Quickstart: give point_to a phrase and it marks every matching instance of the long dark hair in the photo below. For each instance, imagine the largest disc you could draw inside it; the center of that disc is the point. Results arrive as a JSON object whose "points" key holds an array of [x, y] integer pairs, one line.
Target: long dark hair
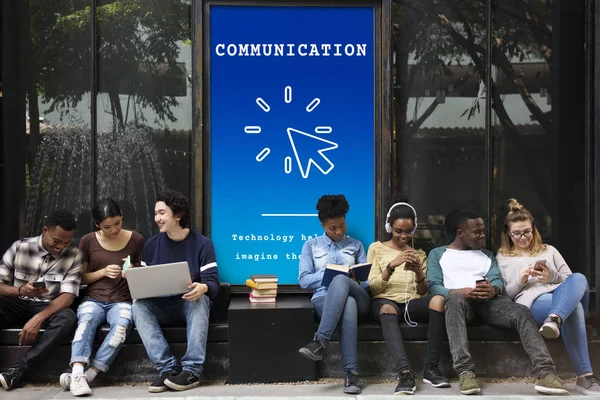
{"points": [[105, 208]]}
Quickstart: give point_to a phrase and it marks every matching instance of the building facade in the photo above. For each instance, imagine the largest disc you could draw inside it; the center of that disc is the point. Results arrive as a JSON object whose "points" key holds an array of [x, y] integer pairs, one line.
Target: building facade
{"points": [[479, 102]]}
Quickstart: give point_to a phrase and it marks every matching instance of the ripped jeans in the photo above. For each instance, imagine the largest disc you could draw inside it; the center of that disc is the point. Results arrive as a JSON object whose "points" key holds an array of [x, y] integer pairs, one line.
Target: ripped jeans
{"points": [[90, 315]]}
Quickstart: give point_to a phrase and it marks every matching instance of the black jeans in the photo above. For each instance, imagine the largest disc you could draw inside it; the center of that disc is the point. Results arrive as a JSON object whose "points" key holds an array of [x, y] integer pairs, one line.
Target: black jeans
{"points": [[419, 312], [499, 312], [58, 328]]}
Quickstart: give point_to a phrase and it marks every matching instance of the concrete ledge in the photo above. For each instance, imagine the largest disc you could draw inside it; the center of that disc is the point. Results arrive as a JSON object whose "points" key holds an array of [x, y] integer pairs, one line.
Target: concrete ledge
{"points": [[493, 359], [329, 390], [132, 364]]}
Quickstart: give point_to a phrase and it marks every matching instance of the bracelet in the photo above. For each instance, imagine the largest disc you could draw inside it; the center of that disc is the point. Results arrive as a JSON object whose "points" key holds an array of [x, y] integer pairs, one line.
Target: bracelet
{"points": [[389, 270], [19, 290], [421, 281]]}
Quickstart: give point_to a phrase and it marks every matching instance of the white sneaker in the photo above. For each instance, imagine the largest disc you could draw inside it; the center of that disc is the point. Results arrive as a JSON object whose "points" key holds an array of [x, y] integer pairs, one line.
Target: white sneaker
{"points": [[79, 385], [551, 328], [65, 380]]}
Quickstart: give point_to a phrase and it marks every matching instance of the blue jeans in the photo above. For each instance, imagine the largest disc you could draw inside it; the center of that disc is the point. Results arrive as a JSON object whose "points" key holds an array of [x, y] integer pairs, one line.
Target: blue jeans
{"points": [[570, 301], [343, 306], [150, 314], [90, 315]]}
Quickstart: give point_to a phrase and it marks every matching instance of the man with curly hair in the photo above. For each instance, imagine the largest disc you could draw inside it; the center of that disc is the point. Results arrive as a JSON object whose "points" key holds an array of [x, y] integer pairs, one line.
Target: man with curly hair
{"points": [[174, 243]]}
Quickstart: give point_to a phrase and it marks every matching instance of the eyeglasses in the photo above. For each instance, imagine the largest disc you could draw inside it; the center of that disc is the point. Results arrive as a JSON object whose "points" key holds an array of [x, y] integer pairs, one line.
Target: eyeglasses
{"points": [[519, 235], [406, 232]]}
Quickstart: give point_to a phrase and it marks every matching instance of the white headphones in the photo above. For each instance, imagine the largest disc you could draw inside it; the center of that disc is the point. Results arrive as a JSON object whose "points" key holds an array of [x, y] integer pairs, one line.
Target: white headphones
{"points": [[388, 226]]}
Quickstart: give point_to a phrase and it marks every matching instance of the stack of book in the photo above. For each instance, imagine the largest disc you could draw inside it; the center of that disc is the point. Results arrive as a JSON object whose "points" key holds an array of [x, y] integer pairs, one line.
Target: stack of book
{"points": [[264, 288]]}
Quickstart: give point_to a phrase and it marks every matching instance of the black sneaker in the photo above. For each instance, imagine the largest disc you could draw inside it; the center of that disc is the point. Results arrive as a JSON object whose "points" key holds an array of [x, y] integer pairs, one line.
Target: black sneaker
{"points": [[182, 381], [433, 376], [406, 384], [11, 377], [314, 350], [158, 386], [351, 383]]}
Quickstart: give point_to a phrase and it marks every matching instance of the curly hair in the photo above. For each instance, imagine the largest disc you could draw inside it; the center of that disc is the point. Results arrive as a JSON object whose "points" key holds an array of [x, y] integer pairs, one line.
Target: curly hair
{"points": [[63, 218], [178, 203], [332, 206], [518, 213]]}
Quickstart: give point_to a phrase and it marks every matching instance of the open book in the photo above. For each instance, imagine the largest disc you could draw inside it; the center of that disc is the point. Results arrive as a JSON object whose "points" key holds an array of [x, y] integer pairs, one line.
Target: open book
{"points": [[361, 272]]}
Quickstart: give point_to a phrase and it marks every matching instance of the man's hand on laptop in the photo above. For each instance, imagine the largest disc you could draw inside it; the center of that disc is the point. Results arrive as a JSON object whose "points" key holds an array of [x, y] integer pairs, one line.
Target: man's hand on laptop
{"points": [[198, 290]]}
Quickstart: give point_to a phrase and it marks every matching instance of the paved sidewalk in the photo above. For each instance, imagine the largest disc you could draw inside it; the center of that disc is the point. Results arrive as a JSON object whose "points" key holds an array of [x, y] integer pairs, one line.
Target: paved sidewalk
{"points": [[312, 391]]}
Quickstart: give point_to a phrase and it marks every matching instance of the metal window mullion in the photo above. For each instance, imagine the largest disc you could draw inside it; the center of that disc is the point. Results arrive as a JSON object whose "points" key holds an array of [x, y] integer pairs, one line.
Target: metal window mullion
{"points": [[93, 103]]}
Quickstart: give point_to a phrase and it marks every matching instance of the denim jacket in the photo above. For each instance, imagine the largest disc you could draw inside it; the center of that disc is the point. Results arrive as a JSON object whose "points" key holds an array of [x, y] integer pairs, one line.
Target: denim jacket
{"points": [[320, 251]]}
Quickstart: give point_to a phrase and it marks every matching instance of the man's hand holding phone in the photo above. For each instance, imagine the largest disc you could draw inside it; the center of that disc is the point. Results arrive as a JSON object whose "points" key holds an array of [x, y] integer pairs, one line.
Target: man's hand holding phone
{"points": [[483, 290], [33, 289], [39, 284]]}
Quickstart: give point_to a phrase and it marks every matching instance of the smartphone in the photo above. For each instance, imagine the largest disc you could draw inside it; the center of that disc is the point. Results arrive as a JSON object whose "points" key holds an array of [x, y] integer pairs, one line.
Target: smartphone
{"points": [[480, 280], [39, 284], [539, 265]]}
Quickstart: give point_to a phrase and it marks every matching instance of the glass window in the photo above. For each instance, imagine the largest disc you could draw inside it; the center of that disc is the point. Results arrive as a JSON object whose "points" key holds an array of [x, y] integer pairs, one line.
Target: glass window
{"points": [[539, 120], [439, 111], [57, 163], [144, 104]]}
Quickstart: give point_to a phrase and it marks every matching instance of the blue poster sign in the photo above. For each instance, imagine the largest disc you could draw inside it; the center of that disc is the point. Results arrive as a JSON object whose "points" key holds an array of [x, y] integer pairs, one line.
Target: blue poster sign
{"points": [[292, 93]]}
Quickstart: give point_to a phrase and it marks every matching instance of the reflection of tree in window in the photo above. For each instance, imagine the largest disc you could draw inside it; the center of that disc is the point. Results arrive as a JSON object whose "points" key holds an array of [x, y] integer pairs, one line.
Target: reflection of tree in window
{"points": [[440, 50], [138, 44]]}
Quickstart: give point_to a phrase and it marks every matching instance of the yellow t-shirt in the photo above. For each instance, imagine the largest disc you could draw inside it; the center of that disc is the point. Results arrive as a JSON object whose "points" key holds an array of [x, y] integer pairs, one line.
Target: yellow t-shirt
{"points": [[395, 288]]}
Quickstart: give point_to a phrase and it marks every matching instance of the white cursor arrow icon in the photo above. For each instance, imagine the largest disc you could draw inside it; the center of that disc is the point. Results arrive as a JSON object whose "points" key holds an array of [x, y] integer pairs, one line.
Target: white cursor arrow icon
{"points": [[312, 156]]}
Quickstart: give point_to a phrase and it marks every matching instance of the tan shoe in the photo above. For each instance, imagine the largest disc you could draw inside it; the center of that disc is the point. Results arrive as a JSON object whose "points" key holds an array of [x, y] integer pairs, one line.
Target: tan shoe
{"points": [[468, 383], [550, 384]]}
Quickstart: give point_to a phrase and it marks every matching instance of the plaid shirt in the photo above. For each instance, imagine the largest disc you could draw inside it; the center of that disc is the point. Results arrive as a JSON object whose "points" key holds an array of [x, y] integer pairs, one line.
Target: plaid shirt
{"points": [[27, 260]]}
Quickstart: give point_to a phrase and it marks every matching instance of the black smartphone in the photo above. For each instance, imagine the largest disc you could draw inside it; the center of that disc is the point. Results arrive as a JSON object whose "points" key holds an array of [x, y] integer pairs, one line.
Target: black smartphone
{"points": [[482, 280], [39, 284]]}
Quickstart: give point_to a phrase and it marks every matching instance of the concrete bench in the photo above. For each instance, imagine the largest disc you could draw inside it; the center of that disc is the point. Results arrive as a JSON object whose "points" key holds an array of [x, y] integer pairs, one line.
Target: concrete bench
{"points": [[132, 364], [497, 353], [217, 331]]}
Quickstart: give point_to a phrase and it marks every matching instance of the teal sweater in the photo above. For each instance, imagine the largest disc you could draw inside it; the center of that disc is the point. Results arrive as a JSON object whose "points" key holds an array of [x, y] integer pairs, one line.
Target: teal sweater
{"points": [[435, 275]]}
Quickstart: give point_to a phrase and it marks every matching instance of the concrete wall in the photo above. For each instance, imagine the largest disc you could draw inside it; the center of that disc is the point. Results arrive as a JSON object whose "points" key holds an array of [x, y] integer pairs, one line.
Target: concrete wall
{"points": [[492, 360]]}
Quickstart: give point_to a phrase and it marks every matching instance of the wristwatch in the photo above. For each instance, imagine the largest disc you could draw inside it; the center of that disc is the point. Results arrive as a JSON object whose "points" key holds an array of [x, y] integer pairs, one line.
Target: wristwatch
{"points": [[389, 269]]}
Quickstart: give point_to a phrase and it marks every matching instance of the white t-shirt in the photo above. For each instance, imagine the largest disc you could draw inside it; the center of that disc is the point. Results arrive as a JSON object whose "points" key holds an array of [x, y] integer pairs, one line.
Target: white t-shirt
{"points": [[461, 268]]}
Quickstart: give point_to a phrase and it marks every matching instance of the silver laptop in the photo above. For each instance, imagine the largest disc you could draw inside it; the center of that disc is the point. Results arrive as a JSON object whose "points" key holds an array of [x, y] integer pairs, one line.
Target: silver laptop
{"points": [[159, 280]]}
